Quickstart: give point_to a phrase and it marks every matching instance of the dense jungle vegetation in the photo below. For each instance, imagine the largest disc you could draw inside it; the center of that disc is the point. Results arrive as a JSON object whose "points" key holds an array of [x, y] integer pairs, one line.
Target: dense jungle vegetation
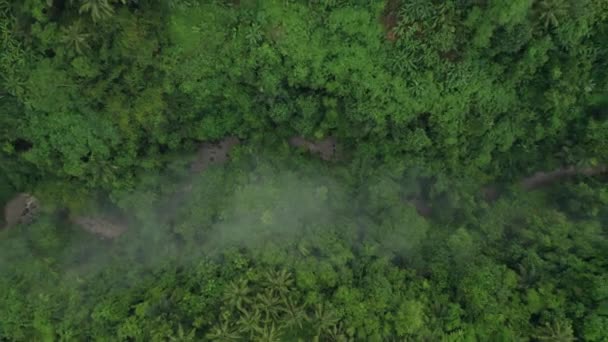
{"points": [[433, 104]]}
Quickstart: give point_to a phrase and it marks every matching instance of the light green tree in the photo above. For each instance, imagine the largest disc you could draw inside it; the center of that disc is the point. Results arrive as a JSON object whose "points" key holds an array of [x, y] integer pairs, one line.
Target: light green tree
{"points": [[237, 293], [279, 282], [249, 321], [75, 38], [557, 331], [550, 12], [98, 9], [223, 332]]}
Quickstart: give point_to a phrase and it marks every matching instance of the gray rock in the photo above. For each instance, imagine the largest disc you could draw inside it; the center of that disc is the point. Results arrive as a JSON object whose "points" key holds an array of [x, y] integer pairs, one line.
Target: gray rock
{"points": [[21, 209]]}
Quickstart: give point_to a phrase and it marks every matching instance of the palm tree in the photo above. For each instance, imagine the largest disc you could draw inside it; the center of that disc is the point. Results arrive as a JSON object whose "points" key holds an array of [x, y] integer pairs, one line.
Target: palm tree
{"points": [[99, 9], [269, 305], [5, 31], [74, 37], [337, 334], [13, 84], [223, 332], [181, 336], [417, 9], [303, 249], [550, 10], [295, 314], [249, 322], [325, 319], [254, 34], [236, 294], [5, 7], [558, 331], [279, 282], [527, 275], [270, 333]]}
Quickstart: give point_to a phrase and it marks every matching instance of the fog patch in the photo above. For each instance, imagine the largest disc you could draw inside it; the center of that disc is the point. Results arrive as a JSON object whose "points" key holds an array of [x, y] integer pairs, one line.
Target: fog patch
{"points": [[102, 226], [275, 209]]}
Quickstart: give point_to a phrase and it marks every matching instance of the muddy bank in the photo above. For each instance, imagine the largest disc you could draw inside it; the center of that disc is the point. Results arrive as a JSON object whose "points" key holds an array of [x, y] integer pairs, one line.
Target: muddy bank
{"points": [[211, 153], [112, 226], [24, 208], [326, 148], [536, 181], [542, 179], [390, 19]]}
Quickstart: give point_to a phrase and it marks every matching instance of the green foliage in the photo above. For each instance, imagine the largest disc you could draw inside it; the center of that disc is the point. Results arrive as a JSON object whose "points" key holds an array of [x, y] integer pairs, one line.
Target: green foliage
{"points": [[98, 9], [103, 102]]}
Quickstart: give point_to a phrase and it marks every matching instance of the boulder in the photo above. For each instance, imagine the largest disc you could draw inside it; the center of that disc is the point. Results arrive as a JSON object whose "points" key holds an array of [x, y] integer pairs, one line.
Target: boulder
{"points": [[21, 209]]}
